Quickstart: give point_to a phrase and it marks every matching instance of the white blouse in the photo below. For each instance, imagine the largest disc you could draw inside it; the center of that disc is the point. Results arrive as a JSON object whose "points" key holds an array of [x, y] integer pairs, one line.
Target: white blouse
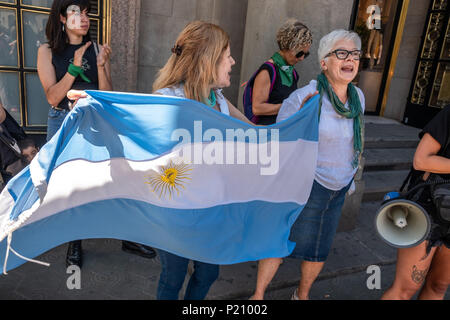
{"points": [[334, 165], [178, 91]]}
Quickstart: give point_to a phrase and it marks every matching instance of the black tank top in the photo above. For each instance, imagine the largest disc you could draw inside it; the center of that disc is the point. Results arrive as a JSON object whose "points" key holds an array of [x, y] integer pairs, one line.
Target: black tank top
{"points": [[62, 61], [278, 94]]}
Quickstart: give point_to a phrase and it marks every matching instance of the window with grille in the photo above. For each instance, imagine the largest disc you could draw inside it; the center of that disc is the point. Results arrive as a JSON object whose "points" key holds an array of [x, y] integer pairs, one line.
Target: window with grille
{"points": [[430, 90], [22, 31]]}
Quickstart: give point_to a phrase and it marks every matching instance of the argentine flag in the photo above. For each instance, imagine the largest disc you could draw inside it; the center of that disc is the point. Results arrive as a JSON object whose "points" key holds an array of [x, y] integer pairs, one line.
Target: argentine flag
{"points": [[166, 172]]}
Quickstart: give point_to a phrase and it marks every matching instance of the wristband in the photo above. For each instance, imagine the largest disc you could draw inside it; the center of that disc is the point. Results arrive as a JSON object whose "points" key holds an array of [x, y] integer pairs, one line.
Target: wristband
{"points": [[76, 71]]}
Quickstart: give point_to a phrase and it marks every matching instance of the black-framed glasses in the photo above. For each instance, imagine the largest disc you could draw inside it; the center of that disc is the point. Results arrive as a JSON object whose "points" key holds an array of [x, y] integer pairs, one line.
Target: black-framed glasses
{"points": [[342, 54], [302, 54]]}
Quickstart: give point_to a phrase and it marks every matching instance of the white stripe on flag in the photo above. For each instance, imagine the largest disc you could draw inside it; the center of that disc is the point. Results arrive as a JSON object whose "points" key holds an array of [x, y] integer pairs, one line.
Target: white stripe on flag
{"points": [[79, 182]]}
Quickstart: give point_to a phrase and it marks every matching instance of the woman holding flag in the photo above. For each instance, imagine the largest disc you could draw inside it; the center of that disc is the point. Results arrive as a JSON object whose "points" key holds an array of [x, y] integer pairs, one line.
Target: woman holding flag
{"points": [[70, 60], [198, 68], [341, 133], [208, 45]]}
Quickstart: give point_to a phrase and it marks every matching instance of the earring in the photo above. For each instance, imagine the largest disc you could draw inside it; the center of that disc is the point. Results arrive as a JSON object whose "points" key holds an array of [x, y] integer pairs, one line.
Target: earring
{"points": [[63, 29]]}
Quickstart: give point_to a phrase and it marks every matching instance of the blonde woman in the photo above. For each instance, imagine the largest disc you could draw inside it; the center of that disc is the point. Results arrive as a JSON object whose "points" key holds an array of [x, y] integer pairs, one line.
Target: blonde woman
{"points": [[200, 65]]}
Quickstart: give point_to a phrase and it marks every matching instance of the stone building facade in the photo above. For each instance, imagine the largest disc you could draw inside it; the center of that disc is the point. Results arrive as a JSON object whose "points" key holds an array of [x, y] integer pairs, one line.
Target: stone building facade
{"points": [[409, 80], [143, 31]]}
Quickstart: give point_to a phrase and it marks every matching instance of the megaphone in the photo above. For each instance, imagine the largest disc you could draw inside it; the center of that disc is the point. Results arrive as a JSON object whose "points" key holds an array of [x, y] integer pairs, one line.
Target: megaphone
{"points": [[402, 223]]}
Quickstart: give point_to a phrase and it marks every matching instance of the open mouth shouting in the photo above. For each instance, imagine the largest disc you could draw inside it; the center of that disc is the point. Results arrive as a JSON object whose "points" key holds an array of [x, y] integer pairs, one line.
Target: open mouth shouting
{"points": [[348, 69]]}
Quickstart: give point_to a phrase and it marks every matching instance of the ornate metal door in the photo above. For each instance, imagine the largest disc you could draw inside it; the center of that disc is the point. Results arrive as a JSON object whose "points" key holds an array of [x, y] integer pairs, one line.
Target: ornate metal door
{"points": [[430, 90]]}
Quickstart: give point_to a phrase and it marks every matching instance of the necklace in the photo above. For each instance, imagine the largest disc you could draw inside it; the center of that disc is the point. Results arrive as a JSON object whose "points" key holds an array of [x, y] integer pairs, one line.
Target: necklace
{"points": [[211, 100]]}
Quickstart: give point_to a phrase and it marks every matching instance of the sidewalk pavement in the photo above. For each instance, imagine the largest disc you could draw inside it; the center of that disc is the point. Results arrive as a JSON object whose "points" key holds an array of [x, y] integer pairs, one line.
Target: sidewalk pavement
{"points": [[109, 273]]}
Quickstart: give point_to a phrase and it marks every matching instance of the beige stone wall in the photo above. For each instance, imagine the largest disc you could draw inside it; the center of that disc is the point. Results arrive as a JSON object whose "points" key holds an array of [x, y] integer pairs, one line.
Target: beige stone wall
{"points": [[406, 61], [264, 17], [162, 20], [143, 31], [125, 44]]}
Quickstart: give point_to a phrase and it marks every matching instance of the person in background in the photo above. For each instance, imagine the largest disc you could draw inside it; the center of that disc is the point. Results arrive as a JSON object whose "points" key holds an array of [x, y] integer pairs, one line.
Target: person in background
{"points": [[10, 156], [2, 118], [70, 60], [29, 150], [427, 265], [294, 41], [341, 132], [207, 45]]}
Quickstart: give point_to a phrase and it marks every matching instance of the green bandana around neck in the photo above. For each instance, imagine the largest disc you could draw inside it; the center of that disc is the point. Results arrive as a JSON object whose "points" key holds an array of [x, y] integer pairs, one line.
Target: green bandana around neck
{"points": [[354, 112], [211, 100], [286, 71]]}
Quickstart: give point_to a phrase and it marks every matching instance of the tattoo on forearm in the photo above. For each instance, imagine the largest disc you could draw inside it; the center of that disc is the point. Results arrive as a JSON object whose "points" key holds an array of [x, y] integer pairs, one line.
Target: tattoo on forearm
{"points": [[424, 257], [418, 276]]}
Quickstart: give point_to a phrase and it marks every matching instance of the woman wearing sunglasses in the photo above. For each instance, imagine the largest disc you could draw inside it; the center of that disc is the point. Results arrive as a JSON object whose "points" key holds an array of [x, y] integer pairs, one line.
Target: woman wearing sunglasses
{"points": [[294, 40], [341, 133]]}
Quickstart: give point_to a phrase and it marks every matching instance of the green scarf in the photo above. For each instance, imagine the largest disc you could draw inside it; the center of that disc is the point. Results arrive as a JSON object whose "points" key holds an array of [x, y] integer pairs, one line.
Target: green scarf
{"points": [[77, 71], [286, 71], [211, 100], [354, 113]]}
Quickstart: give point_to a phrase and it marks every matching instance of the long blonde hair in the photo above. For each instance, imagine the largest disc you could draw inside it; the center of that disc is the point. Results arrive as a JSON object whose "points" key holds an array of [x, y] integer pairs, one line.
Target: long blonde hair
{"points": [[194, 60]]}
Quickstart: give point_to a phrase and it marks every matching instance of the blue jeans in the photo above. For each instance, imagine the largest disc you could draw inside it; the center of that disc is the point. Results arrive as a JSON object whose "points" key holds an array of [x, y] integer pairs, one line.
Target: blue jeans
{"points": [[55, 120], [173, 273], [315, 228]]}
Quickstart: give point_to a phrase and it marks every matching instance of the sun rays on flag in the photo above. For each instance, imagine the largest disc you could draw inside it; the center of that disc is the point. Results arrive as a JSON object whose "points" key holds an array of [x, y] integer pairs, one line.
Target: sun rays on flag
{"points": [[171, 178]]}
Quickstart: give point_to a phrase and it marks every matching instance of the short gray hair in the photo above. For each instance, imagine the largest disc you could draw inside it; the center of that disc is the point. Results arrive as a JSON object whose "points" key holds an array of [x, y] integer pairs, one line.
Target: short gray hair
{"points": [[293, 35], [328, 41]]}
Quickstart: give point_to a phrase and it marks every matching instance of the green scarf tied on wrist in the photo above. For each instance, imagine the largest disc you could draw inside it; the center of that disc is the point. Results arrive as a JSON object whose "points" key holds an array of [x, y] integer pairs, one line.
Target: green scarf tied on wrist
{"points": [[286, 71], [78, 71], [354, 112]]}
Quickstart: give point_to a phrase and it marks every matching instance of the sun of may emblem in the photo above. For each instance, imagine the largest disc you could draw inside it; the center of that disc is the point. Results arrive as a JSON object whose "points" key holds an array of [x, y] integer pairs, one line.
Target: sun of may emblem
{"points": [[169, 179]]}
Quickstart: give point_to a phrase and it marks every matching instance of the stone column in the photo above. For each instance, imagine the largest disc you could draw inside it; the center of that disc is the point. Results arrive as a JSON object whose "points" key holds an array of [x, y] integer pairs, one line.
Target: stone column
{"points": [[163, 20], [406, 61], [125, 44]]}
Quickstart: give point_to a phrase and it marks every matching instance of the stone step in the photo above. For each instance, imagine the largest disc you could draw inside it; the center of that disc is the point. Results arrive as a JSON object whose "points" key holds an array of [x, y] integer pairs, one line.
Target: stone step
{"points": [[389, 144], [388, 159], [390, 135], [378, 183]]}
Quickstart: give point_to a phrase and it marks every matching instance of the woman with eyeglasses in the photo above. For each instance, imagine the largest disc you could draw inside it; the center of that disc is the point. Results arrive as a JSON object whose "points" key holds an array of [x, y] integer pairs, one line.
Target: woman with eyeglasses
{"points": [[294, 40], [341, 133]]}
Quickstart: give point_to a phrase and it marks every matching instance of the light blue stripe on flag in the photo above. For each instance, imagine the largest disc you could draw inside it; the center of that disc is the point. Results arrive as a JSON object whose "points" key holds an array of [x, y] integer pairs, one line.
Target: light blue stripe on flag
{"points": [[132, 131]]}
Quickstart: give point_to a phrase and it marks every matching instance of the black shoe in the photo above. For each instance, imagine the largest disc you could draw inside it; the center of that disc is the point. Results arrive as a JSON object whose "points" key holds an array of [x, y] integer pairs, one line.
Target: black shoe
{"points": [[74, 254], [139, 249]]}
